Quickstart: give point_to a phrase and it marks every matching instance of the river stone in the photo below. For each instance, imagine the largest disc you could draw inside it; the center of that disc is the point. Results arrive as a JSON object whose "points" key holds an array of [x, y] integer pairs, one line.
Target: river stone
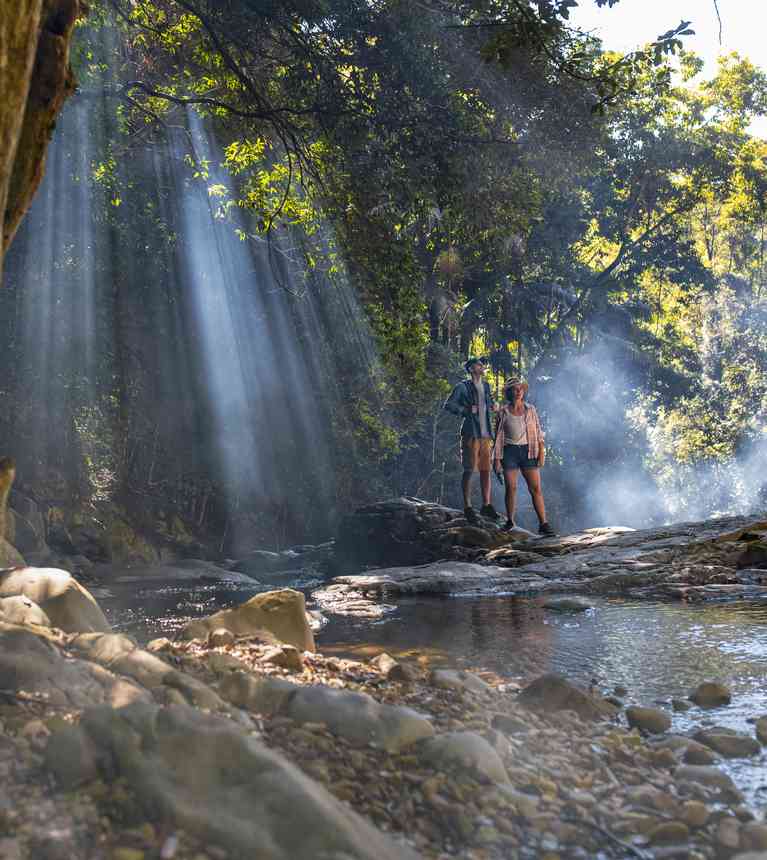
{"points": [[729, 745], [220, 638], [670, 833], [393, 670], [68, 605], [203, 774], [72, 757], [680, 705], [358, 718], [459, 680], [285, 656], [264, 695], [22, 610], [464, 750], [552, 692], [695, 813], [651, 720], [711, 694], [761, 729], [697, 753], [282, 613], [704, 775], [567, 604], [753, 835], [728, 832]]}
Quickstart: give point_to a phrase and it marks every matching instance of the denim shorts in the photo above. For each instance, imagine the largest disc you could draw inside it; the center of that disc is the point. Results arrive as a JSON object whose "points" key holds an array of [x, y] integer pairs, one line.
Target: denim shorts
{"points": [[515, 457]]}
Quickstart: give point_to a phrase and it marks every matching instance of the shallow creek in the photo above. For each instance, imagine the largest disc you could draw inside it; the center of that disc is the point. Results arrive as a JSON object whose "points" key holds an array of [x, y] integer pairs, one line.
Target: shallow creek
{"points": [[657, 651]]}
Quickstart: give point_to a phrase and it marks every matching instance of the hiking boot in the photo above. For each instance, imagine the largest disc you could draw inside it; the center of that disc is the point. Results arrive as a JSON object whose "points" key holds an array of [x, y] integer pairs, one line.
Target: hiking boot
{"points": [[471, 515], [546, 530], [490, 512], [508, 526]]}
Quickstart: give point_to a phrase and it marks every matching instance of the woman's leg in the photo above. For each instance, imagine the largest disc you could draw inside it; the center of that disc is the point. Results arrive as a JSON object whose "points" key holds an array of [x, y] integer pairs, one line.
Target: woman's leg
{"points": [[533, 479], [510, 476]]}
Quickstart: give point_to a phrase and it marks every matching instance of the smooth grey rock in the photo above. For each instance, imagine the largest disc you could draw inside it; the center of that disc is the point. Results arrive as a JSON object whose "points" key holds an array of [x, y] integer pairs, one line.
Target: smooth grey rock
{"points": [[459, 680], [711, 694], [651, 720], [208, 777], [567, 604], [68, 605], [263, 695], [22, 610], [704, 775], [552, 693], [358, 718], [729, 745], [464, 750]]}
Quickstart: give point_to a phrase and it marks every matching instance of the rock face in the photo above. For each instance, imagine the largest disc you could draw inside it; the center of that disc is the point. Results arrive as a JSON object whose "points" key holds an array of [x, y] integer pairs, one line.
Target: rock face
{"points": [[68, 605], [409, 531], [282, 613], [553, 693], [232, 791], [686, 561]]}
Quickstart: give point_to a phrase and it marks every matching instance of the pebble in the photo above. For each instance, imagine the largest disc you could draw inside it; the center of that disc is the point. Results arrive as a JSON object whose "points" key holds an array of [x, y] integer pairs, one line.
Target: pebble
{"points": [[669, 832], [728, 832], [694, 813]]}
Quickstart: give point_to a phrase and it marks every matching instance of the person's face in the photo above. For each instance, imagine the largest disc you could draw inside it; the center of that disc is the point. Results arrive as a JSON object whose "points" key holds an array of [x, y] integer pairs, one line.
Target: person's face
{"points": [[517, 393], [477, 368]]}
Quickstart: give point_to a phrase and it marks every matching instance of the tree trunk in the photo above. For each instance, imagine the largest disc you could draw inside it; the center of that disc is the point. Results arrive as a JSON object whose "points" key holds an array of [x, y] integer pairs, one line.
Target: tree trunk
{"points": [[35, 78]]}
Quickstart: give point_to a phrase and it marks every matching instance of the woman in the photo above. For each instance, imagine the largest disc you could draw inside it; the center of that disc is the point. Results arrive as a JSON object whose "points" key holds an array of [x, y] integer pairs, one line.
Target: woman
{"points": [[519, 444]]}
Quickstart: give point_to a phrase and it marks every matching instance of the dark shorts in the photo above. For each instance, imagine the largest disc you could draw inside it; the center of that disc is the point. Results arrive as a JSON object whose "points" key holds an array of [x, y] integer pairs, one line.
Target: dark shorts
{"points": [[515, 457]]}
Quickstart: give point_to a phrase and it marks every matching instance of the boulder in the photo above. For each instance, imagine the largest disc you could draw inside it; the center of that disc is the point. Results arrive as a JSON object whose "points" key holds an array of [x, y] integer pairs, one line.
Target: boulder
{"points": [[728, 744], [232, 792], [460, 681], [265, 695], [552, 692], [30, 661], [704, 775], [650, 720], [68, 605], [358, 718], [711, 694], [22, 610], [9, 555], [761, 729], [567, 604], [670, 833], [281, 613], [464, 750], [27, 534]]}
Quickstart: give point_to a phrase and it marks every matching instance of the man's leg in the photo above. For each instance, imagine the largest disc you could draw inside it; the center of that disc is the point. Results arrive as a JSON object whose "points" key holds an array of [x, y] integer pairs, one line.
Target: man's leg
{"points": [[466, 487], [533, 479], [510, 476]]}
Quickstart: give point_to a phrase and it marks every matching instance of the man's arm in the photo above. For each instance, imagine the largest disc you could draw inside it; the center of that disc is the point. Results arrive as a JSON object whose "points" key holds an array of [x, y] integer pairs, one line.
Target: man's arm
{"points": [[457, 403]]}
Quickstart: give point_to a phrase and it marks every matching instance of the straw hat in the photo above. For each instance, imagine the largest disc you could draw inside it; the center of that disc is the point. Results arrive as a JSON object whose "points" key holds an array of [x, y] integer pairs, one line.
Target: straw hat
{"points": [[514, 381]]}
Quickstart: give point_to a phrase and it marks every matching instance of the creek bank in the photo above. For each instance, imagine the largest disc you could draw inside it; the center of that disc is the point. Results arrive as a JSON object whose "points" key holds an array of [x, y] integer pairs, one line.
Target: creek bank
{"points": [[438, 552], [371, 761]]}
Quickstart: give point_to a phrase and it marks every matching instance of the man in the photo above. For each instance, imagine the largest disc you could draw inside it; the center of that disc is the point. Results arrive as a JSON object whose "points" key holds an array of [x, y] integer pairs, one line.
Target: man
{"points": [[473, 401]]}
